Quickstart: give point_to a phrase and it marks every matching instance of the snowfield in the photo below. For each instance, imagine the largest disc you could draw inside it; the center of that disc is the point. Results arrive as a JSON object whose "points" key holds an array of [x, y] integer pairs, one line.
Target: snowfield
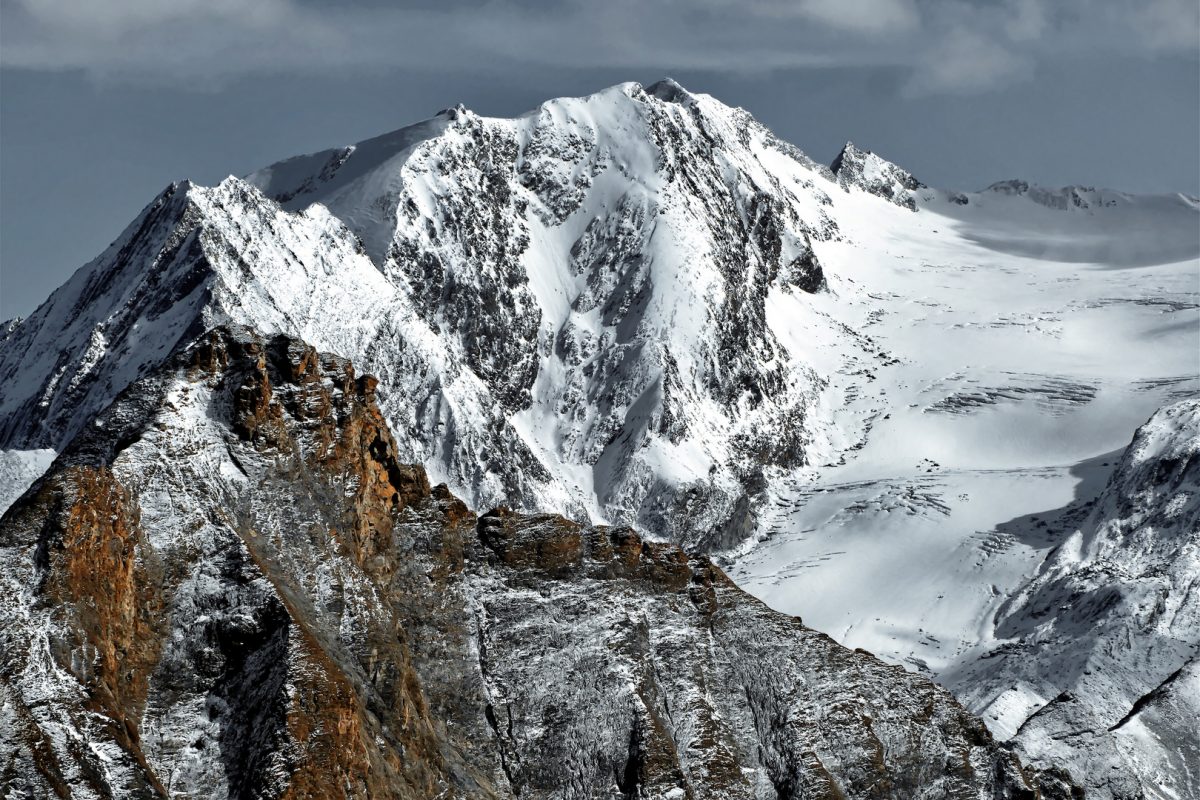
{"points": [[1012, 385]]}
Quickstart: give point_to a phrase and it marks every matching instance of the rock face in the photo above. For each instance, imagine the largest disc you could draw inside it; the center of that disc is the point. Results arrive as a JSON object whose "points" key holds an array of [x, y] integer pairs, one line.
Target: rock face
{"points": [[1066, 198], [862, 169], [1104, 638], [568, 311], [228, 585]]}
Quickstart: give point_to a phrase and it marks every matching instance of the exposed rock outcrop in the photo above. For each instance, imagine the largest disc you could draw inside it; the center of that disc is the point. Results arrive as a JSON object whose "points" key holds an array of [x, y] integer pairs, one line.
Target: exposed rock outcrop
{"points": [[230, 586], [864, 170]]}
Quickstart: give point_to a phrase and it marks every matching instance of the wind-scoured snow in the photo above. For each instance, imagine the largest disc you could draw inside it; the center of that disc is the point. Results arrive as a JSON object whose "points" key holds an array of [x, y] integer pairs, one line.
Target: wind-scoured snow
{"points": [[18, 470]]}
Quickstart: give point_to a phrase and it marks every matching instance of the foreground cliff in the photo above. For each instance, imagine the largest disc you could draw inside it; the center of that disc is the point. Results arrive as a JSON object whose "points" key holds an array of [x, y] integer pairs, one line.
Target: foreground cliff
{"points": [[229, 586]]}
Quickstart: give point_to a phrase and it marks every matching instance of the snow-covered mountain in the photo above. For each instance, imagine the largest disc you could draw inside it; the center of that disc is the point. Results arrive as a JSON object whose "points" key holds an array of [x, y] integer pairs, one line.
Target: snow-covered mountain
{"points": [[568, 310], [642, 307], [862, 169], [603, 265]]}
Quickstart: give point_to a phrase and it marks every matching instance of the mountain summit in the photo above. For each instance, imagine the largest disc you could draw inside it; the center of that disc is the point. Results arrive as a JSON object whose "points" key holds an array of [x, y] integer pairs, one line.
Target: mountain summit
{"points": [[869, 172]]}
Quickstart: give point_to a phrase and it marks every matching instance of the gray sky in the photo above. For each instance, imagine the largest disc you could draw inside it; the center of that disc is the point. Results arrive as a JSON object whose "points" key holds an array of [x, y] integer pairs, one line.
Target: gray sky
{"points": [[102, 104]]}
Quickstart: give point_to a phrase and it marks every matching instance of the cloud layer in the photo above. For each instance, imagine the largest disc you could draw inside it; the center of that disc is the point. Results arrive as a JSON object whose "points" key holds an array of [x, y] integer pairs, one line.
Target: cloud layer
{"points": [[942, 46]]}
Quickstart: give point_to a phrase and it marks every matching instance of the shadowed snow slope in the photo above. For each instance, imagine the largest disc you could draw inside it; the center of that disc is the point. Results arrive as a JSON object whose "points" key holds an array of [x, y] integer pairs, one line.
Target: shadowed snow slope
{"points": [[1011, 385], [1151, 229], [1109, 626]]}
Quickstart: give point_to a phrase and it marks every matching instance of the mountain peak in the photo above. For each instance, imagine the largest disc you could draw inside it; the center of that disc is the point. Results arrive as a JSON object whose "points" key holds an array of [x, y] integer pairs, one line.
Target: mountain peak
{"points": [[848, 152], [855, 167], [670, 91], [194, 256], [454, 112], [457, 248]]}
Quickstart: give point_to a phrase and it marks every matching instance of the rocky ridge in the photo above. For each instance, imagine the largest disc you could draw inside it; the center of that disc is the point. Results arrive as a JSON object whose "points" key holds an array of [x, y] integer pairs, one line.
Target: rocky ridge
{"points": [[1066, 198], [864, 170], [1101, 644], [284, 609]]}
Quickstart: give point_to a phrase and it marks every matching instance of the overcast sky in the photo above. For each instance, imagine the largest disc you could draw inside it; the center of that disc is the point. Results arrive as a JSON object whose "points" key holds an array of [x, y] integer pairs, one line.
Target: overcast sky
{"points": [[103, 103]]}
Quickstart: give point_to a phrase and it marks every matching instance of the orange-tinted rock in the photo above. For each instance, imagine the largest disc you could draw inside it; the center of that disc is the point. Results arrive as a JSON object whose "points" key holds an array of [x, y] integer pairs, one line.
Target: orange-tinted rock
{"points": [[550, 544], [93, 574], [310, 619]]}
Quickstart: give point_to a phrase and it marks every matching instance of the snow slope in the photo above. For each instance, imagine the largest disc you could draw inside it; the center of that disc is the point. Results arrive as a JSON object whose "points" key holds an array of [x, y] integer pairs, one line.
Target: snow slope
{"points": [[1013, 383], [19, 469], [1109, 625]]}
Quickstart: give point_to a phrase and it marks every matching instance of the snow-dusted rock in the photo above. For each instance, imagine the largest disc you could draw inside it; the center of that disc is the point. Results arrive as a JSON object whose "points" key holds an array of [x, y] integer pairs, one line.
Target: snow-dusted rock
{"points": [[566, 310], [1107, 630], [1064, 198], [229, 586], [862, 169], [602, 264]]}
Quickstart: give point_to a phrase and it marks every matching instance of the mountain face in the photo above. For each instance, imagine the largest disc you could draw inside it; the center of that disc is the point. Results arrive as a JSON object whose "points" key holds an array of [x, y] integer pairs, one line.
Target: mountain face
{"points": [[629, 243], [576, 300], [229, 585], [1102, 642], [638, 308]]}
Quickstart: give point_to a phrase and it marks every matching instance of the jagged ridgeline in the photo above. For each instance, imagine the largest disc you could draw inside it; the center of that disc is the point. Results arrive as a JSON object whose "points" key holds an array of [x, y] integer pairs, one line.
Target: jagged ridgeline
{"points": [[230, 585], [567, 311]]}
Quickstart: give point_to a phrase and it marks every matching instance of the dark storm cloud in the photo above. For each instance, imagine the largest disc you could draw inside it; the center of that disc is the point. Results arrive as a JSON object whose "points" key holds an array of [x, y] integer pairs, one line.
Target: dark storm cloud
{"points": [[943, 46]]}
